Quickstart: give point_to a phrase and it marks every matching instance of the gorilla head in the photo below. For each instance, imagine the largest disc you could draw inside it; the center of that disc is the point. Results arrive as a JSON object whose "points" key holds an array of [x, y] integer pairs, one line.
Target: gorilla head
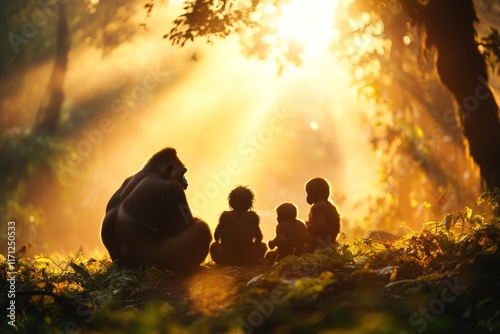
{"points": [[166, 164], [317, 190], [241, 198], [286, 212]]}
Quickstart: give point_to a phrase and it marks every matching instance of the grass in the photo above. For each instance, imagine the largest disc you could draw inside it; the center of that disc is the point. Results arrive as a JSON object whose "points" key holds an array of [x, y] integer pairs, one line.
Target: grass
{"points": [[443, 279]]}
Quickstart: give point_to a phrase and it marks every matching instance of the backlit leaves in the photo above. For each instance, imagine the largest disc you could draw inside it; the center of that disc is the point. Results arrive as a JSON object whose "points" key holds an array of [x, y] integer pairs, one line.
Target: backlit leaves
{"points": [[206, 18]]}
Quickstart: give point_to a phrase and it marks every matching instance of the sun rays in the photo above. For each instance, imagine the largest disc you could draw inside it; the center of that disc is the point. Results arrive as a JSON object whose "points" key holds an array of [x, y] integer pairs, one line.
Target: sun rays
{"points": [[309, 23], [232, 119]]}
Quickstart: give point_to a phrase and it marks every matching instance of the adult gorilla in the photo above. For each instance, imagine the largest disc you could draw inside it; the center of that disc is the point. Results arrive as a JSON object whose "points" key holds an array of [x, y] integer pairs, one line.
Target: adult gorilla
{"points": [[148, 220]]}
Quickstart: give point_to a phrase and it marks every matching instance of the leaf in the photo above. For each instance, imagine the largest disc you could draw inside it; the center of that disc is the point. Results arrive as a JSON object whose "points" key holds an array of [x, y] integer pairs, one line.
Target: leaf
{"points": [[441, 200], [477, 220], [42, 262], [80, 270], [448, 221], [255, 279], [394, 274], [467, 212]]}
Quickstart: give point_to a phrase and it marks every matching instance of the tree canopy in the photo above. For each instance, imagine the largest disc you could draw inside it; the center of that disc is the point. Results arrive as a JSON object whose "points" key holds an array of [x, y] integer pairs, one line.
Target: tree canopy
{"points": [[448, 26]]}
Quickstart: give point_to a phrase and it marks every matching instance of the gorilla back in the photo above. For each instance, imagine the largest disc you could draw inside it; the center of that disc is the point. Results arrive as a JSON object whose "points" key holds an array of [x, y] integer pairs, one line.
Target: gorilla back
{"points": [[148, 220]]}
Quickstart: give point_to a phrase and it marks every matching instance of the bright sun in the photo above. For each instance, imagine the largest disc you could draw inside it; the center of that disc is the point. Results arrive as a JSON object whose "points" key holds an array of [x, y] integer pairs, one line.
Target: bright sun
{"points": [[309, 23]]}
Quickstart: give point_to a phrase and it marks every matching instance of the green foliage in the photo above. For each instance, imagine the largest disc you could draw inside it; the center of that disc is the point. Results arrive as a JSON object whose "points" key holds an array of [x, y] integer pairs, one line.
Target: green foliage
{"points": [[54, 291], [206, 18], [103, 24], [26, 161], [21, 158], [315, 264], [252, 22], [490, 47], [15, 55], [490, 197], [361, 287], [25, 158], [389, 71]]}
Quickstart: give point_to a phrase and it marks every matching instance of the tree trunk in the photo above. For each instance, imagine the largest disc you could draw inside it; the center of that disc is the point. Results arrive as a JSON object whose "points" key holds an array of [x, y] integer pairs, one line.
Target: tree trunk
{"points": [[450, 28], [50, 108]]}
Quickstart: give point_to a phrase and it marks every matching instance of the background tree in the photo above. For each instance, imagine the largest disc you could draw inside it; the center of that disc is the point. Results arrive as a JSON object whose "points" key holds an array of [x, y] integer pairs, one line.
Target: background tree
{"points": [[414, 152], [41, 30], [50, 108], [31, 141], [449, 26], [415, 122]]}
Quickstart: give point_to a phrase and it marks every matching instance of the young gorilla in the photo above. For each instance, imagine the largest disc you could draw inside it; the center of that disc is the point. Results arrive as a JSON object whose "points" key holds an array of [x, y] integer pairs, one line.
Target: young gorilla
{"points": [[238, 238], [148, 220], [323, 224], [290, 233]]}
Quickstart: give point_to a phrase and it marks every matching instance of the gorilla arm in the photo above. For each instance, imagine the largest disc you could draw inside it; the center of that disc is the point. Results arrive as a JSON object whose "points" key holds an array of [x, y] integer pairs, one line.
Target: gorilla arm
{"points": [[216, 251], [189, 248], [280, 238], [259, 248], [317, 225], [157, 205], [329, 212], [156, 227], [255, 231], [220, 227], [300, 230], [324, 224], [334, 225]]}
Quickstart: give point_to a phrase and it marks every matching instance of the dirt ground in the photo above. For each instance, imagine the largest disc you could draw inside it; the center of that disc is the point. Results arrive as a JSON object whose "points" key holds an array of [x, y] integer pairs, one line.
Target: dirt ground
{"points": [[208, 289]]}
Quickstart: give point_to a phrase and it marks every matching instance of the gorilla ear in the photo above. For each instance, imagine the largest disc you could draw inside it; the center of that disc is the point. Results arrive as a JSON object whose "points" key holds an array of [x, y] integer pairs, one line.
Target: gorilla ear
{"points": [[165, 171]]}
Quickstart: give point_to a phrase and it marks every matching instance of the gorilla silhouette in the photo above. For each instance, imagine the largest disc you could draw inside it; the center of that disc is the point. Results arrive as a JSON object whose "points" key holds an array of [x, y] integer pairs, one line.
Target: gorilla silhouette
{"points": [[148, 221]]}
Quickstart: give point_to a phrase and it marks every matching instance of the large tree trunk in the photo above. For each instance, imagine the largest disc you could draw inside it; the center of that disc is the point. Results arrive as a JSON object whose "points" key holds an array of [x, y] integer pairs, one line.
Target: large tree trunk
{"points": [[50, 109], [450, 28]]}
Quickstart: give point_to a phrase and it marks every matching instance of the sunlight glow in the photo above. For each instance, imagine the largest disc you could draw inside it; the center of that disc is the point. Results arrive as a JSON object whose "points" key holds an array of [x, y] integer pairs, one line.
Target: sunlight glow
{"points": [[232, 122], [176, 2], [208, 294], [309, 23]]}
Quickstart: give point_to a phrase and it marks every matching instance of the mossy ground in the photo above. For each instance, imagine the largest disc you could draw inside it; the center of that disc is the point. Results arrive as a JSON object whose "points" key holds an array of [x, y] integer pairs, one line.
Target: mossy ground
{"points": [[432, 281]]}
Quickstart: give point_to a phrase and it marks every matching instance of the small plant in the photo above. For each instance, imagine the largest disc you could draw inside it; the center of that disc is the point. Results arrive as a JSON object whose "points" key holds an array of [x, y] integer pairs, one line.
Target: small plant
{"points": [[492, 198], [334, 287]]}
